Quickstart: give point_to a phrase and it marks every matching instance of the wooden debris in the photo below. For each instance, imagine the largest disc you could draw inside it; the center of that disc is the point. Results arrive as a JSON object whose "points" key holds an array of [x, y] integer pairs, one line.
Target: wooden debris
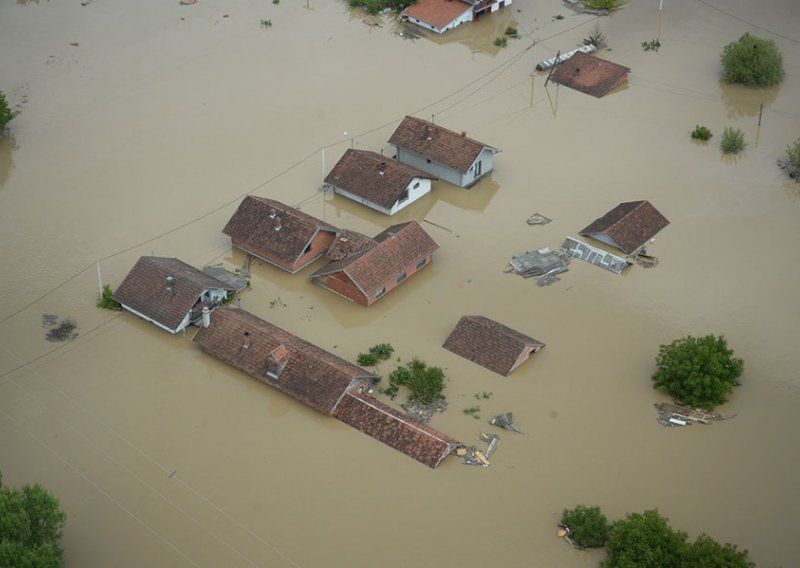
{"points": [[673, 414]]}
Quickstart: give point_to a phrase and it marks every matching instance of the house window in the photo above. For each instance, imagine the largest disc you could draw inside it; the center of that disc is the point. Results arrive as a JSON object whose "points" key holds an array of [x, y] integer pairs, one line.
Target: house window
{"points": [[416, 185], [428, 160], [380, 292], [401, 277], [421, 263], [478, 167], [404, 196], [308, 248]]}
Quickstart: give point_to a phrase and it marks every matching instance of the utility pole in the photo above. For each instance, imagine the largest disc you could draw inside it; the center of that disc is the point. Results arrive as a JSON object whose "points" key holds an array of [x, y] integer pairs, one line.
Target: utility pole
{"points": [[99, 279], [323, 164], [533, 52]]}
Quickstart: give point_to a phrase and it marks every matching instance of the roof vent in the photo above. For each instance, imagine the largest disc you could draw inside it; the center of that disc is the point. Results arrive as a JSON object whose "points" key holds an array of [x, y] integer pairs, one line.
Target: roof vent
{"points": [[170, 283], [277, 223], [428, 133], [382, 168], [271, 213], [246, 344], [463, 133]]}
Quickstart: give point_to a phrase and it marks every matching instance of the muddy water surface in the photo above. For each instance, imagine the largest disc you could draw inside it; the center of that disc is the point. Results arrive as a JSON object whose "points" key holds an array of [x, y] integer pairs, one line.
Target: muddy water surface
{"points": [[144, 136]]}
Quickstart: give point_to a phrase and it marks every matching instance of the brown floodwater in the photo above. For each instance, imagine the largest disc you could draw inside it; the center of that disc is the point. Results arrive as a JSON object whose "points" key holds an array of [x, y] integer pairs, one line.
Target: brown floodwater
{"points": [[142, 127]]}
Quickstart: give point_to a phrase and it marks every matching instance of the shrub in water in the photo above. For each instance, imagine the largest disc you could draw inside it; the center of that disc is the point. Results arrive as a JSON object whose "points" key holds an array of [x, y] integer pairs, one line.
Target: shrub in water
{"points": [[732, 140], [752, 61], [701, 133]]}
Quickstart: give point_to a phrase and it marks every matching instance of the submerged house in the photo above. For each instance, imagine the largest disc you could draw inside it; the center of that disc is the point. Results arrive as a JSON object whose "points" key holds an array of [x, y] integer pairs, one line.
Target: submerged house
{"points": [[441, 16], [628, 226], [169, 293], [590, 74], [491, 344], [279, 234], [442, 153], [381, 183], [317, 378], [393, 255]]}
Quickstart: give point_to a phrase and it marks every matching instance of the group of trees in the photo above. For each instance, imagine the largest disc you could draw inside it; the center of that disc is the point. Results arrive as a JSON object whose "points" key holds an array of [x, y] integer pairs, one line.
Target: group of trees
{"points": [[30, 527], [646, 540], [6, 114]]}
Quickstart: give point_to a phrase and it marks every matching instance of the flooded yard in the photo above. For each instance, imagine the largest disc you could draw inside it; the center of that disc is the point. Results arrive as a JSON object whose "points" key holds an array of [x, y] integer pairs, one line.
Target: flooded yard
{"points": [[141, 129]]}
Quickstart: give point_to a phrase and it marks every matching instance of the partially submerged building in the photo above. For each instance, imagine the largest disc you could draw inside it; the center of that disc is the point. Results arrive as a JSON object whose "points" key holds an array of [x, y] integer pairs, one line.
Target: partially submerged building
{"points": [[441, 16], [491, 344], [378, 182], [367, 275], [279, 234], [442, 153], [317, 378], [169, 293], [590, 74], [628, 226]]}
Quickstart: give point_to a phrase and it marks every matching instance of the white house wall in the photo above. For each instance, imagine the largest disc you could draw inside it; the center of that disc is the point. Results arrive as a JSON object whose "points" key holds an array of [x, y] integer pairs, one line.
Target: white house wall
{"points": [[429, 166], [413, 193], [462, 19], [486, 158], [496, 5]]}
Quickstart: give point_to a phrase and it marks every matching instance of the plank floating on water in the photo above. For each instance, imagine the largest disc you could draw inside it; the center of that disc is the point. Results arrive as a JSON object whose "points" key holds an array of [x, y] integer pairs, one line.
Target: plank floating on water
{"points": [[548, 63], [592, 255]]}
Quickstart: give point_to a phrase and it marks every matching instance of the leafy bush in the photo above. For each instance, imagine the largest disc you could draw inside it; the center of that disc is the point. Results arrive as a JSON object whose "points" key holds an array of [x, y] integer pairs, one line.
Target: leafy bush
{"points": [[425, 384], [588, 527], [512, 32], [377, 6], [793, 155], [652, 45], [367, 359], [5, 112], [600, 4], [732, 141], [500, 41], [382, 351], [752, 61], [106, 301], [266, 23], [701, 133], [699, 371], [645, 541], [706, 552]]}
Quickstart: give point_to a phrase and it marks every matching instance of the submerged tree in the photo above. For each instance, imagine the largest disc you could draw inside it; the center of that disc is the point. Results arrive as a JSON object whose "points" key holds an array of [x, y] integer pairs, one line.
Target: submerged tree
{"points": [[699, 371], [644, 541], [706, 552], [752, 61], [588, 526], [6, 114]]}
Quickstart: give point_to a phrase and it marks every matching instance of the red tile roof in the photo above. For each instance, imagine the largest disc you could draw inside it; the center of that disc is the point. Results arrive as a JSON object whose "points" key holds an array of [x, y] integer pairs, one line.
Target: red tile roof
{"points": [[628, 226], [312, 375], [349, 242], [399, 247], [146, 289], [589, 74], [490, 344], [437, 13], [437, 143], [373, 177], [387, 425], [273, 227]]}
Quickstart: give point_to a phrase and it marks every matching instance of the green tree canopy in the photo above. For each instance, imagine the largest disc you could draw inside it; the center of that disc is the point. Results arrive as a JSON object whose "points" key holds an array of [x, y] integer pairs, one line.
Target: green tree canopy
{"points": [[30, 527], [6, 113], [706, 552], [644, 541], [588, 526], [699, 371], [752, 61]]}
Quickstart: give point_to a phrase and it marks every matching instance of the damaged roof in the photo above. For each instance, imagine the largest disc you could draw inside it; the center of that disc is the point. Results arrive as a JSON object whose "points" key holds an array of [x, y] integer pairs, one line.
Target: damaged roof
{"points": [[147, 289], [373, 177], [387, 425], [430, 140], [589, 74], [276, 228], [490, 344], [311, 375], [628, 226], [397, 248]]}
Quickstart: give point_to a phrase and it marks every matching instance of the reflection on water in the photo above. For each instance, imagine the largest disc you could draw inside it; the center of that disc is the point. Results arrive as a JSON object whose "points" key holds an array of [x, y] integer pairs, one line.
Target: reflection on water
{"points": [[7, 146], [741, 101]]}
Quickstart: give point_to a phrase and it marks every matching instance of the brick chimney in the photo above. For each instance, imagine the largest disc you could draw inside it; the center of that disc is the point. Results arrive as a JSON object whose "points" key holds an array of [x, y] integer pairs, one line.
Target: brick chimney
{"points": [[276, 361]]}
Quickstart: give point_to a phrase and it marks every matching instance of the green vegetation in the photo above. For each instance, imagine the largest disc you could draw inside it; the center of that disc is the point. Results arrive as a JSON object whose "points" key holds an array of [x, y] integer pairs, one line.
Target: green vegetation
{"points": [[425, 384], [732, 141], [31, 524], [701, 133], [708, 553], [793, 156], [483, 395], [473, 411], [106, 301], [500, 41], [276, 1], [367, 359], [652, 45], [5, 113], [752, 61], [512, 32], [558, 17], [699, 371], [266, 23], [379, 352], [601, 4], [377, 6], [588, 527]]}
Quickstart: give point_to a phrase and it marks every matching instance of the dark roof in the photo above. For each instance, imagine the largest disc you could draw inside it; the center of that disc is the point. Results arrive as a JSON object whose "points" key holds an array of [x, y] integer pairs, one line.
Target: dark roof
{"points": [[387, 425], [399, 247], [629, 225], [146, 289], [589, 74], [349, 242], [373, 177], [255, 222], [437, 13], [490, 344], [312, 375], [437, 143]]}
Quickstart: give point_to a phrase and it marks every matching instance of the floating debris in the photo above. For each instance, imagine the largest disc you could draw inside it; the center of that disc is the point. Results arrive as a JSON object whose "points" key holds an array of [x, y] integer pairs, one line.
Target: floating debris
{"points": [[505, 421], [493, 440], [538, 219], [673, 414], [593, 255], [538, 263], [563, 532], [550, 277], [49, 320], [473, 456], [423, 413], [643, 259]]}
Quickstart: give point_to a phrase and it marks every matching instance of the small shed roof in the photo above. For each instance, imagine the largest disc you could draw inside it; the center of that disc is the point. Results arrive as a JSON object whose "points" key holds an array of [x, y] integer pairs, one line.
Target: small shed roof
{"points": [[490, 344], [373, 177], [397, 248], [147, 289], [628, 226], [591, 75], [312, 375], [271, 226], [387, 425], [454, 150], [437, 13]]}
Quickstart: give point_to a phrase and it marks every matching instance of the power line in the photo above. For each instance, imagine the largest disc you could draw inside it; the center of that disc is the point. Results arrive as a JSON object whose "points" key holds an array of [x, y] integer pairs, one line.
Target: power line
{"points": [[748, 22]]}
